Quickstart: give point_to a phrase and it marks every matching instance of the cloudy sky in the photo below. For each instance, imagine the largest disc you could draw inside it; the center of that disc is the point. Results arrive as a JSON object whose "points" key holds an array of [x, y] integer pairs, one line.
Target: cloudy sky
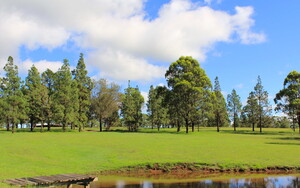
{"points": [[236, 40]]}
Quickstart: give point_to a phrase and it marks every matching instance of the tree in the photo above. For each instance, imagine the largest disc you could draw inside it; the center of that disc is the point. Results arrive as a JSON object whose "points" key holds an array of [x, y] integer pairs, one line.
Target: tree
{"points": [[84, 85], [131, 108], [288, 99], [264, 108], [234, 107], [186, 81], [13, 99], [65, 96], [48, 78], [106, 99], [37, 97], [157, 113], [220, 112], [250, 110]]}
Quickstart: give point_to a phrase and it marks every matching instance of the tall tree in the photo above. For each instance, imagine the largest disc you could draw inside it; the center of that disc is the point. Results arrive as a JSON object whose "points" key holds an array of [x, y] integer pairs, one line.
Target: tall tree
{"points": [[37, 97], [106, 99], [131, 108], [220, 112], [48, 78], [264, 108], [12, 94], [65, 96], [186, 81], [234, 107], [250, 110], [288, 99], [84, 85], [157, 113]]}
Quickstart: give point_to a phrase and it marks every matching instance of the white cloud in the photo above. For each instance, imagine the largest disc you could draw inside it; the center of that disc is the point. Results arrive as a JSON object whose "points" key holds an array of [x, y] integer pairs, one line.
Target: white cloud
{"points": [[210, 1], [118, 31], [42, 65], [239, 86]]}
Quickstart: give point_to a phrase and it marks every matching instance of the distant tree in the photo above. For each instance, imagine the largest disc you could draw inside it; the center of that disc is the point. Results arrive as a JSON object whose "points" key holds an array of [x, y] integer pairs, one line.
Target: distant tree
{"points": [[234, 107], [157, 112], [250, 110], [48, 78], [264, 108], [65, 95], [186, 81], [84, 85], [131, 108], [106, 101], [13, 99], [288, 99], [220, 112], [37, 97]]}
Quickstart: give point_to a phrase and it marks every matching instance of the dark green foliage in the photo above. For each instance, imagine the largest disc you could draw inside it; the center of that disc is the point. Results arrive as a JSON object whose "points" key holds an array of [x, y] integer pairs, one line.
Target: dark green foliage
{"points": [[84, 86], [288, 99], [12, 99], [131, 108], [186, 81], [250, 111], [219, 106], [234, 107]]}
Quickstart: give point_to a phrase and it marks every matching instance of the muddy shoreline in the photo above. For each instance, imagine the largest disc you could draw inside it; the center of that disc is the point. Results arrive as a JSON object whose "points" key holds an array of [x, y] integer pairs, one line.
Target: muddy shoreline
{"points": [[198, 168]]}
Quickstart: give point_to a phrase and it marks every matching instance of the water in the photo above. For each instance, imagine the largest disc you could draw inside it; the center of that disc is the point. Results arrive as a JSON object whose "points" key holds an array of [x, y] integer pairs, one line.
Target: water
{"points": [[235, 181]]}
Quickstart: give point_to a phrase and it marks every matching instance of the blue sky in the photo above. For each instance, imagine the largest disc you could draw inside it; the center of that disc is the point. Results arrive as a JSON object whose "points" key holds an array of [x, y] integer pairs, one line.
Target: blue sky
{"points": [[236, 40]]}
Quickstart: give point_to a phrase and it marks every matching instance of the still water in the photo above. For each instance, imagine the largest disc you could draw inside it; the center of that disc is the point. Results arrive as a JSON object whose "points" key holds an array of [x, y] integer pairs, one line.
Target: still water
{"points": [[223, 181]]}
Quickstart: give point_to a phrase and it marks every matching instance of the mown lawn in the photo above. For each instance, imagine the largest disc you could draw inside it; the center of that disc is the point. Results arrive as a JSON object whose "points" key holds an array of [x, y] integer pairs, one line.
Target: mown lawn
{"points": [[26, 154]]}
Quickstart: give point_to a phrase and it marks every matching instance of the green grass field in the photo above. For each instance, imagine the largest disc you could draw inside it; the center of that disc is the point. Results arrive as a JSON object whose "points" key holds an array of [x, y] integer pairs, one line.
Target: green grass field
{"points": [[25, 154]]}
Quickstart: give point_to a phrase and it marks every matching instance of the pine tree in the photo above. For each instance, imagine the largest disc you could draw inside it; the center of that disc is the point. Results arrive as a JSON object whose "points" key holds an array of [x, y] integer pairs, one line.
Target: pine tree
{"points": [[13, 98], [250, 110], [234, 107], [264, 108], [84, 85], [220, 112], [131, 108]]}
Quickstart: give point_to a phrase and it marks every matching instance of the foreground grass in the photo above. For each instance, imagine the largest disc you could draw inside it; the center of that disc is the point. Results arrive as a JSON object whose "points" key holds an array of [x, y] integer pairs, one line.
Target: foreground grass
{"points": [[25, 154]]}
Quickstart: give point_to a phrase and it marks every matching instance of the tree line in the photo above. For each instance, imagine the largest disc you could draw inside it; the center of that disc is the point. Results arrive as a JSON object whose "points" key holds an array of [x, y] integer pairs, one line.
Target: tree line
{"points": [[70, 98]]}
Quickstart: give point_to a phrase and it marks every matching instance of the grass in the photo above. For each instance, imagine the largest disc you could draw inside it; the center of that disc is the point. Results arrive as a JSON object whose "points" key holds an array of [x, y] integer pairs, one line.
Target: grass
{"points": [[26, 154]]}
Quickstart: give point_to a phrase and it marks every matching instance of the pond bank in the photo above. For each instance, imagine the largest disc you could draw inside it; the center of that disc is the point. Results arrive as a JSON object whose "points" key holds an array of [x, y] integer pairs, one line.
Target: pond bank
{"points": [[186, 168]]}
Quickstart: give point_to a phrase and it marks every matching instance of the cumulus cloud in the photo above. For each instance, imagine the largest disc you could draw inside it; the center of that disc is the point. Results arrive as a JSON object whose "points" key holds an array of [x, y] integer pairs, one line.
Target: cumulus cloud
{"points": [[121, 36], [42, 65]]}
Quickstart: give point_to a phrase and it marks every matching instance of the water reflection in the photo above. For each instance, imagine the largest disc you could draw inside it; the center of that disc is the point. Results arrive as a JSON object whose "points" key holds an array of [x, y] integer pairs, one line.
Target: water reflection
{"points": [[268, 182]]}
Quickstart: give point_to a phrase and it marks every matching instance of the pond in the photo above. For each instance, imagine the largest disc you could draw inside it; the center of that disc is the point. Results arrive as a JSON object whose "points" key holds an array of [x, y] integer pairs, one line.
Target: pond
{"points": [[199, 180]]}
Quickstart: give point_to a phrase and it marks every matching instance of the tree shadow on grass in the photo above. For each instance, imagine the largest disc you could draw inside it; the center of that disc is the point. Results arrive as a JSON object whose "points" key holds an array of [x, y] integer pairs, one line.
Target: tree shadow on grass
{"points": [[249, 132], [282, 143]]}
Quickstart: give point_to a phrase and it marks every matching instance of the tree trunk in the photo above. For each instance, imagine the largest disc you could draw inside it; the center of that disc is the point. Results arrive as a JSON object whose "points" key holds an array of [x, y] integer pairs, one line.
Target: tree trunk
{"points": [[100, 124], [218, 129], [42, 126], [158, 127], [48, 123], [298, 117], [13, 128], [31, 124], [234, 123], [64, 126], [193, 126], [253, 126], [260, 126], [186, 125], [178, 126], [7, 125]]}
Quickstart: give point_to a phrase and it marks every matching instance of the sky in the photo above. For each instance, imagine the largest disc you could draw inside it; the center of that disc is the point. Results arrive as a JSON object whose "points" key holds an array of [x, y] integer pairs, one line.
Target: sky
{"points": [[137, 40]]}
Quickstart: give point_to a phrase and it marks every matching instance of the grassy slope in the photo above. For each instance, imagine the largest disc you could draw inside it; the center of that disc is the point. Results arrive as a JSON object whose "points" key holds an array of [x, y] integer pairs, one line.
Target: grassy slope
{"points": [[32, 154]]}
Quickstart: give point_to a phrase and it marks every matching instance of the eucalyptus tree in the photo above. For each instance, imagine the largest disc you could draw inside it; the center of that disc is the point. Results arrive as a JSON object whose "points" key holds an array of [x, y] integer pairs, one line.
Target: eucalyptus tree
{"points": [[264, 108], [288, 99], [84, 85], [219, 107], [65, 96], [186, 81], [131, 108], [234, 107], [106, 101], [13, 102], [37, 97]]}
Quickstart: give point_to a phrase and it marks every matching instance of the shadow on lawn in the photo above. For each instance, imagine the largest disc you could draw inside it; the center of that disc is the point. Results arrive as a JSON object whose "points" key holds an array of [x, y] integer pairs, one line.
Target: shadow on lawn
{"points": [[283, 143], [249, 132]]}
